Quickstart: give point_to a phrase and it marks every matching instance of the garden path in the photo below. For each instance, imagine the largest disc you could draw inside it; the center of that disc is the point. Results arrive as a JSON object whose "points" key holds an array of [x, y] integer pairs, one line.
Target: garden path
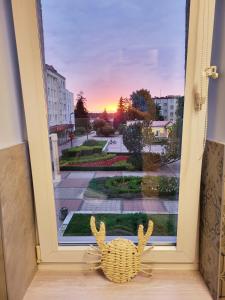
{"points": [[70, 193]]}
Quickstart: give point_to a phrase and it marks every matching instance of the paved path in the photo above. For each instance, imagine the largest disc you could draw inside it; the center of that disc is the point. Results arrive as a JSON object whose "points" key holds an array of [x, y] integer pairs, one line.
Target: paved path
{"points": [[70, 193]]}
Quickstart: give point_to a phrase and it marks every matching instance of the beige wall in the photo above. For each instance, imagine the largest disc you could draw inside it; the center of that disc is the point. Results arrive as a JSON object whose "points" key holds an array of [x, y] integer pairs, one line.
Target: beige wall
{"points": [[17, 220]]}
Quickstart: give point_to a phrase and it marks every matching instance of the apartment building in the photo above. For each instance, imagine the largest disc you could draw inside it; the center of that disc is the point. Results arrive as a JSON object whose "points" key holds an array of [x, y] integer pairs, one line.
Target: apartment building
{"points": [[60, 105], [168, 107]]}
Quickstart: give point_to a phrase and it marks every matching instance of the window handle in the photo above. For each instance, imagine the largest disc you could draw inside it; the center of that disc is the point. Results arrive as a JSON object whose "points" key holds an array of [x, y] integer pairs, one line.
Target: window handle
{"points": [[212, 72]]}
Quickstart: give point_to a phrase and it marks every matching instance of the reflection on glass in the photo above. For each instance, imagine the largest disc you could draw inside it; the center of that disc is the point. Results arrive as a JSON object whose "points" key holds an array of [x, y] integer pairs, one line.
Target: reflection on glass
{"points": [[116, 148]]}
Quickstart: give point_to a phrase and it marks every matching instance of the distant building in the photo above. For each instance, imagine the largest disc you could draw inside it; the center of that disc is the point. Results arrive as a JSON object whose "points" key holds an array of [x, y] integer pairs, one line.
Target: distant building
{"points": [[60, 105], [159, 128], [168, 107]]}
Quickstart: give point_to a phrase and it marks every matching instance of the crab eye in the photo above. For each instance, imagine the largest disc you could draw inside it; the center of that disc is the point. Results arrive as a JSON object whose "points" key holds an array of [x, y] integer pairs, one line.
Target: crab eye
{"points": [[133, 253], [108, 251]]}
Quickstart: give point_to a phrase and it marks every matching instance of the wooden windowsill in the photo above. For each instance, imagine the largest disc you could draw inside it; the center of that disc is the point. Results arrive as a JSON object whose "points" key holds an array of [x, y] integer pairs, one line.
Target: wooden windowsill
{"points": [[164, 285]]}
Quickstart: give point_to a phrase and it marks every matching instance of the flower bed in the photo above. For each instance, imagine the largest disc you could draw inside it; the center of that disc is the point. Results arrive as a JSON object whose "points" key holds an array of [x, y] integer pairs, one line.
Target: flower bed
{"points": [[102, 163], [131, 187]]}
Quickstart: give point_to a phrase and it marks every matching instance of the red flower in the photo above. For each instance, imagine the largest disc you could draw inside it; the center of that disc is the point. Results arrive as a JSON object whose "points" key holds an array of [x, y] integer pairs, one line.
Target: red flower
{"points": [[103, 163]]}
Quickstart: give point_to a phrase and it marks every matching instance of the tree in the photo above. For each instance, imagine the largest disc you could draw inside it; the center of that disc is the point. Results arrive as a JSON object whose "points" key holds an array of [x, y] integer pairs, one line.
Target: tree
{"points": [[147, 135], [81, 112], [132, 137], [104, 116], [121, 114], [173, 146], [143, 104]]}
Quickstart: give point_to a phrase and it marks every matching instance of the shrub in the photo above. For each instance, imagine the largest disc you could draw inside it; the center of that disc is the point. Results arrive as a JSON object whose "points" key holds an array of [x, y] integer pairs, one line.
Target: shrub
{"points": [[106, 130], [132, 187], [132, 137], [145, 161], [121, 128], [81, 151], [151, 161], [98, 123], [94, 143], [80, 131], [160, 186], [136, 160]]}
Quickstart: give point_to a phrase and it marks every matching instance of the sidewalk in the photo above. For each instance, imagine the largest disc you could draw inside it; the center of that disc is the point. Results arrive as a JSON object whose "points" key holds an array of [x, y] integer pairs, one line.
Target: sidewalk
{"points": [[70, 193]]}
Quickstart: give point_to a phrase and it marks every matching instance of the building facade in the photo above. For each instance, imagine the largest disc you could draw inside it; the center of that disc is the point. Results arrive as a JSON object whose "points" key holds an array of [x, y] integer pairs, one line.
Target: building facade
{"points": [[168, 107], [60, 105]]}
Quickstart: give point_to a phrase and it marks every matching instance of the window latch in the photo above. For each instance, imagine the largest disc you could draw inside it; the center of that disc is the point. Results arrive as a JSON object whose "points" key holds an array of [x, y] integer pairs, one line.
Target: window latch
{"points": [[212, 72]]}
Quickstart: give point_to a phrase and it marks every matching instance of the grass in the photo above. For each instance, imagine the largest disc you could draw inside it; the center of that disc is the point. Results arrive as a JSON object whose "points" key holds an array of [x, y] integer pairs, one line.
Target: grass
{"points": [[122, 224], [131, 187]]}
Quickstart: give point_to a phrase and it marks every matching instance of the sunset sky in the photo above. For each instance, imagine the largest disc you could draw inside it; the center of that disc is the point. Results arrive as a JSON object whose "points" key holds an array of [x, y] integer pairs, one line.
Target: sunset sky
{"points": [[110, 48]]}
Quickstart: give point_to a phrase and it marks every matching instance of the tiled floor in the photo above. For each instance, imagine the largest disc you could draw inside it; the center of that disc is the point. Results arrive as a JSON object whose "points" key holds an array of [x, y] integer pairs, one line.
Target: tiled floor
{"points": [[86, 285]]}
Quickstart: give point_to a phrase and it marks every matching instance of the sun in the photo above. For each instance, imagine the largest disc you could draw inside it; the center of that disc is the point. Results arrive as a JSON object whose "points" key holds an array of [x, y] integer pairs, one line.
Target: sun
{"points": [[111, 107]]}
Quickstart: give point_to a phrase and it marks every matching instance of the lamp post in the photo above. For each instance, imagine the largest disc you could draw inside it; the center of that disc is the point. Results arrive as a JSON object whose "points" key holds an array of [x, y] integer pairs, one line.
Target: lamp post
{"points": [[71, 134]]}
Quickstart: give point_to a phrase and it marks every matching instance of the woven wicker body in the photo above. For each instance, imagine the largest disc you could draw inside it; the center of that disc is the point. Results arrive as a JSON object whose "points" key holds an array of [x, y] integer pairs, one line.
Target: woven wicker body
{"points": [[120, 259]]}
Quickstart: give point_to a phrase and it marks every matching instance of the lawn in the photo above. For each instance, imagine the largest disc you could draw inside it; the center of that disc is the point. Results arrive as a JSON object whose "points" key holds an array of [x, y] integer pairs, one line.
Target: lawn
{"points": [[130, 187], [122, 224]]}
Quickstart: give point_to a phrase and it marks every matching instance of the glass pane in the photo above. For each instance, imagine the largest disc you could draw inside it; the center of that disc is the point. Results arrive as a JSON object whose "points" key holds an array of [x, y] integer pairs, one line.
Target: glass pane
{"points": [[115, 74]]}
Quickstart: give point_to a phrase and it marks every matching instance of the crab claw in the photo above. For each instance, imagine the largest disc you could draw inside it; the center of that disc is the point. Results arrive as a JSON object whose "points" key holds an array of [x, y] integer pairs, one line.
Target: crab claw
{"points": [[99, 234]]}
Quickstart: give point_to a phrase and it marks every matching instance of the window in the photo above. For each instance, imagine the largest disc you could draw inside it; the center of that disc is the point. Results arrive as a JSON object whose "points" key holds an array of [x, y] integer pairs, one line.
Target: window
{"points": [[32, 77]]}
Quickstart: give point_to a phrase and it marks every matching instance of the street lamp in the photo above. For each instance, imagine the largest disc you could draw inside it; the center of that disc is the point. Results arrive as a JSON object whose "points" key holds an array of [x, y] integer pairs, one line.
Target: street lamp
{"points": [[71, 134]]}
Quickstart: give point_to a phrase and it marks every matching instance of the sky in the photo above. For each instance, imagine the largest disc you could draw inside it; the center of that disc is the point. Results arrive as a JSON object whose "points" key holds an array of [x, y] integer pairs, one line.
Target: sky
{"points": [[110, 48]]}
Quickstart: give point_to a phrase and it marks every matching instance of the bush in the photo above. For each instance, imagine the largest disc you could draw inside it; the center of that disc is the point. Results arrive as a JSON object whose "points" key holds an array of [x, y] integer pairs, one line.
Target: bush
{"points": [[160, 186], [132, 187], [121, 128], [98, 123], [151, 161], [94, 143], [136, 161], [81, 151], [106, 130], [145, 161], [132, 137], [80, 131]]}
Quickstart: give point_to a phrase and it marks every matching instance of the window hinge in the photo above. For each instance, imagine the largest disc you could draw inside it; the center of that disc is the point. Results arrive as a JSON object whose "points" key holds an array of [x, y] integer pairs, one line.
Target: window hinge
{"points": [[38, 254], [212, 72]]}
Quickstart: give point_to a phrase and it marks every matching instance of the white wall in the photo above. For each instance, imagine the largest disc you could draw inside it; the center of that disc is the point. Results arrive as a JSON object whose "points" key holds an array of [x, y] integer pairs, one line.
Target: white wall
{"points": [[216, 120], [12, 125]]}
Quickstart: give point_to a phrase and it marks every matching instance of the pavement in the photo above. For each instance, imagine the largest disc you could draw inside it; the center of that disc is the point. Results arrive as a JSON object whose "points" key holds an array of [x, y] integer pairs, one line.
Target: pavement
{"points": [[69, 192], [116, 145]]}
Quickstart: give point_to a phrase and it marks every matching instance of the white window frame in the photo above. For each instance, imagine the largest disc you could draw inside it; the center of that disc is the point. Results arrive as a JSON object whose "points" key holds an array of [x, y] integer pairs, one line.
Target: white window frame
{"points": [[184, 254]]}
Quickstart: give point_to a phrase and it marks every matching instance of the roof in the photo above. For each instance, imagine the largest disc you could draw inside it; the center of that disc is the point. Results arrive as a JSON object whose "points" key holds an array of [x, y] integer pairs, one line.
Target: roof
{"points": [[60, 128], [53, 70], [161, 123]]}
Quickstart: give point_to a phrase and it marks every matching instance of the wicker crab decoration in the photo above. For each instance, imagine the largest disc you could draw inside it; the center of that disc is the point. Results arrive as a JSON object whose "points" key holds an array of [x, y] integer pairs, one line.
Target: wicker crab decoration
{"points": [[120, 259]]}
